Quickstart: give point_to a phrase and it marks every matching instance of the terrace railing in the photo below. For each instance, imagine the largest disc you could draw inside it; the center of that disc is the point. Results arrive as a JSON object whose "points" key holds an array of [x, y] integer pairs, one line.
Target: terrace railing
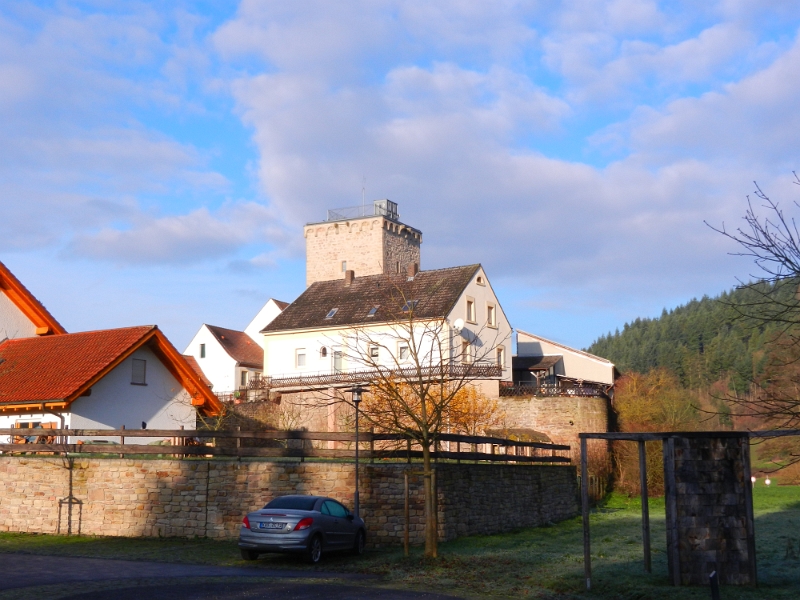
{"points": [[531, 389], [284, 444], [365, 376]]}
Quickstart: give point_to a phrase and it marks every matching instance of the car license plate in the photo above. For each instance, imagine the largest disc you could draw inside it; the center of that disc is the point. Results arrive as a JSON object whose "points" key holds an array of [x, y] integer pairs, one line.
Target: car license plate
{"points": [[271, 525]]}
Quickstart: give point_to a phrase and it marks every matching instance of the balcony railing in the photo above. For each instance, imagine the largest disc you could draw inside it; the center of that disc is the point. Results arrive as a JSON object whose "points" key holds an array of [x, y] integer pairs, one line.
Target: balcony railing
{"points": [[261, 386], [559, 389], [379, 208]]}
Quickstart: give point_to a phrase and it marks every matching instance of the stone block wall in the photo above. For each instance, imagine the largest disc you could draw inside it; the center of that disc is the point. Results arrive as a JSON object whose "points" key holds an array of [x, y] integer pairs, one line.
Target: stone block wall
{"points": [[370, 245], [562, 418], [709, 508], [185, 498]]}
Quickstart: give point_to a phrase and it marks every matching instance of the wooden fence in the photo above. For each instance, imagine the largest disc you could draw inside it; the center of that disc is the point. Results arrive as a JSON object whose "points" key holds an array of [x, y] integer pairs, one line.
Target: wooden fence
{"points": [[288, 444]]}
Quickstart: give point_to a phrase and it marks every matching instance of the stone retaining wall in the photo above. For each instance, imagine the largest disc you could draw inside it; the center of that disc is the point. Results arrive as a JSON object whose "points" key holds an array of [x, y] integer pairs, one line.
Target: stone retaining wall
{"points": [[185, 498]]}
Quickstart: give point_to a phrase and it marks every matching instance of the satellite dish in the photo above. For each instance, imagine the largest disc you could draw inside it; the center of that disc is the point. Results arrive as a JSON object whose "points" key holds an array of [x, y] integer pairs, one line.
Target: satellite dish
{"points": [[458, 325]]}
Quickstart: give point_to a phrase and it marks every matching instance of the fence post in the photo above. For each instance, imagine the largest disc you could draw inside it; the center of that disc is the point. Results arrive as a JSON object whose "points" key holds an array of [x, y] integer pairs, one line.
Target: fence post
{"points": [[372, 444], [458, 452], [408, 449], [122, 442], [406, 514]]}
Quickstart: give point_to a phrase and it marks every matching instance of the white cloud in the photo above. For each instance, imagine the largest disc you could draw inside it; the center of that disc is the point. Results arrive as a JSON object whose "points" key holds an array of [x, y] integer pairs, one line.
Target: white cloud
{"points": [[181, 239]]}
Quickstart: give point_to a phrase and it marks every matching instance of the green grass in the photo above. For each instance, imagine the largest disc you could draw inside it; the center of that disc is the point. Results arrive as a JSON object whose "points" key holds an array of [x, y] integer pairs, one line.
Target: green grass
{"points": [[546, 562]]}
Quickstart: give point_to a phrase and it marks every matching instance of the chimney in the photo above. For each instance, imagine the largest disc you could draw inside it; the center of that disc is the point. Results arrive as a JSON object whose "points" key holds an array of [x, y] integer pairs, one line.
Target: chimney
{"points": [[349, 275], [412, 269]]}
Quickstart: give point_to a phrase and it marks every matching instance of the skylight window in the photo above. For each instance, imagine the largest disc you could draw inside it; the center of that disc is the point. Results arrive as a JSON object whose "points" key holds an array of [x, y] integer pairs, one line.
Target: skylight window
{"points": [[372, 311], [410, 305], [331, 313]]}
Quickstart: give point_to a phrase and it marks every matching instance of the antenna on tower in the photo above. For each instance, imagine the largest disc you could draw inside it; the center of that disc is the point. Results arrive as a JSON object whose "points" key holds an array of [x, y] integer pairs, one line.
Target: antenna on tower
{"points": [[363, 194]]}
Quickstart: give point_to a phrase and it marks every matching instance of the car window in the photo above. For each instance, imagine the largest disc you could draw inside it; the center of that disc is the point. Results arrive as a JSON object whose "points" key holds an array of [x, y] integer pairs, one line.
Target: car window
{"points": [[293, 503], [324, 510], [336, 509]]}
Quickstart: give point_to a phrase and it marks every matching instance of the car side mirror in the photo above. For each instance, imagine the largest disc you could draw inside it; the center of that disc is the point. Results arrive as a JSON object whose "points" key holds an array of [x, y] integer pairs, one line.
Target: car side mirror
{"points": [[350, 516]]}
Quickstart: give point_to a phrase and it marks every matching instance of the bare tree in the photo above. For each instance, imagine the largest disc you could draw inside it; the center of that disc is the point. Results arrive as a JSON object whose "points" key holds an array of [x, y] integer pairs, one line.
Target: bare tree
{"points": [[773, 242], [771, 301]]}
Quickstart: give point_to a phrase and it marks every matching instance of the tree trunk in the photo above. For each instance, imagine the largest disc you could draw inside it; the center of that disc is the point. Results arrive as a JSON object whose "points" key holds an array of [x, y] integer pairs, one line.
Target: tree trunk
{"points": [[431, 533]]}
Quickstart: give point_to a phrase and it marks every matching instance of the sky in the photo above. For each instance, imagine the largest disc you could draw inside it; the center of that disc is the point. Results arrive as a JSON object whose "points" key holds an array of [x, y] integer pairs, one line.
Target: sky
{"points": [[159, 160]]}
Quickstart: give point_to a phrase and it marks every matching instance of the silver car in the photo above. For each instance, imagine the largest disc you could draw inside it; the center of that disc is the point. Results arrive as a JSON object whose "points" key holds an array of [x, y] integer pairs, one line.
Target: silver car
{"points": [[309, 525]]}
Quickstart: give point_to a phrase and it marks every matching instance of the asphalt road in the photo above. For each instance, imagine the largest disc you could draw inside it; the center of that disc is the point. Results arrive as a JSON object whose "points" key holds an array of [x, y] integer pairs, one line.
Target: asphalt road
{"points": [[26, 570]]}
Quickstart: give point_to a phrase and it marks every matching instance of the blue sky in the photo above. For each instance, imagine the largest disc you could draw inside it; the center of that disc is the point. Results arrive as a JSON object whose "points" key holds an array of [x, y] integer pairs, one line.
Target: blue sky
{"points": [[158, 160]]}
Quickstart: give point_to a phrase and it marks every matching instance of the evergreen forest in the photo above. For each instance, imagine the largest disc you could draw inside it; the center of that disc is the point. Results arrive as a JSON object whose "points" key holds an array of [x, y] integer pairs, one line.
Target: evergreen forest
{"points": [[701, 342]]}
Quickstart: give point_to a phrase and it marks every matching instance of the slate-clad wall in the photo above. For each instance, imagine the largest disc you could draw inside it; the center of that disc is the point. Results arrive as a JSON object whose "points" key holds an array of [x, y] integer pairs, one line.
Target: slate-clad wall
{"points": [[709, 509], [186, 498]]}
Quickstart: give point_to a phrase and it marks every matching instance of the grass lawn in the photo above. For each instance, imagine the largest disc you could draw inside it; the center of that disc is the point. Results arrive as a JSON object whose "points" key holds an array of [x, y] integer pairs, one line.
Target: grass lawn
{"points": [[546, 562]]}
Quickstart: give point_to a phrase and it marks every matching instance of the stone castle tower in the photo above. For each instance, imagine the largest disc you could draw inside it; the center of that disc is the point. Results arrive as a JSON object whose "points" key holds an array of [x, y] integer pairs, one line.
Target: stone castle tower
{"points": [[368, 240]]}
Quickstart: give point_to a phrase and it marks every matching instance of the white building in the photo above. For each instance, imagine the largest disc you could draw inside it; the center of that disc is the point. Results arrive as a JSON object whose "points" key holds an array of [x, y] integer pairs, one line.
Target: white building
{"points": [[90, 380], [359, 323], [230, 359], [540, 361]]}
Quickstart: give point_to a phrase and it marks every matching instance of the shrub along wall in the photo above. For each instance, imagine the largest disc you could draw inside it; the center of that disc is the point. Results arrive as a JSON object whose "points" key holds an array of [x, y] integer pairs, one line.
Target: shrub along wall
{"points": [[185, 498]]}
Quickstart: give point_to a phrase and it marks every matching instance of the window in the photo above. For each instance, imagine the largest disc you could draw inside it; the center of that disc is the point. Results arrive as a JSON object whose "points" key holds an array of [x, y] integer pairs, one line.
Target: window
{"points": [[410, 305], [398, 266], [323, 352], [331, 313], [243, 380], [501, 357], [491, 315], [202, 350], [334, 509], [300, 357], [471, 310], [139, 372], [466, 352], [293, 503], [402, 351], [374, 352], [480, 280], [337, 361], [373, 311], [344, 266]]}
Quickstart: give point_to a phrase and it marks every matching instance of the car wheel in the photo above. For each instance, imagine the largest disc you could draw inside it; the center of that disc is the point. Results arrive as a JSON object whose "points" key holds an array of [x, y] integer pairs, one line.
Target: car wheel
{"points": [[314, 551], [361, 542], [249, 554]]}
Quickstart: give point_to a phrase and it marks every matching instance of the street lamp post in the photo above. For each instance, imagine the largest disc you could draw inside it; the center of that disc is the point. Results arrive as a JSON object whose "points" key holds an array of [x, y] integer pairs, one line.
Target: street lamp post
{"points": [[356, 391]]}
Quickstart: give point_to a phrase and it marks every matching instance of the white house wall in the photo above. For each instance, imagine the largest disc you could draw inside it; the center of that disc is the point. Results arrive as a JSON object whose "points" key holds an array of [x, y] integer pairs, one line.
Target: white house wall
{"points": [[280, 349], [576, 364], [13, 322], [485, 339], [264, 317], [218, 366], [115, 401]]}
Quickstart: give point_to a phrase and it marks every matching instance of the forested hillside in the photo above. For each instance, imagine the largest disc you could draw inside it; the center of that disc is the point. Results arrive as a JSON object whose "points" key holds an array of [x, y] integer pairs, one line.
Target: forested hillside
{"points": [[701, 342]]}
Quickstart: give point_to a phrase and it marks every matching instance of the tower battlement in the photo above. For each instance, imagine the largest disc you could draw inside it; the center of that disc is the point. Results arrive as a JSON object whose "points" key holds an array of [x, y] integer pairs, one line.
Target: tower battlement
{"points": [[369, 240]]}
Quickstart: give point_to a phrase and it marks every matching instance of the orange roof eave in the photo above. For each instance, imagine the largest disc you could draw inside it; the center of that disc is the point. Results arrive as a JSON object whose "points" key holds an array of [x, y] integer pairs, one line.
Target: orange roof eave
{"points": [[28, 304]]}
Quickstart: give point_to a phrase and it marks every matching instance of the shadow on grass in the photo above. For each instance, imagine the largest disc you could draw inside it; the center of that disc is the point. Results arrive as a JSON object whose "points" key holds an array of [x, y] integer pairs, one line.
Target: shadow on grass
{"points": [[545, 562]]}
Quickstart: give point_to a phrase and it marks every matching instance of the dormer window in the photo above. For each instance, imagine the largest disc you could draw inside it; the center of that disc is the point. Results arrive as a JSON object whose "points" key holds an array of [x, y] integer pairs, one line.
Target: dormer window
{"points": [[373, 311], [410, 305], [331, 313]]}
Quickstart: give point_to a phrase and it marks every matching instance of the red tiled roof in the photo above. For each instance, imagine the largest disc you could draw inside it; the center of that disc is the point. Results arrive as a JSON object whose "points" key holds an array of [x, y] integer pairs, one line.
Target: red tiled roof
{"points": [[196, 368], [59, 367], [27, 302], [240, 346]]}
